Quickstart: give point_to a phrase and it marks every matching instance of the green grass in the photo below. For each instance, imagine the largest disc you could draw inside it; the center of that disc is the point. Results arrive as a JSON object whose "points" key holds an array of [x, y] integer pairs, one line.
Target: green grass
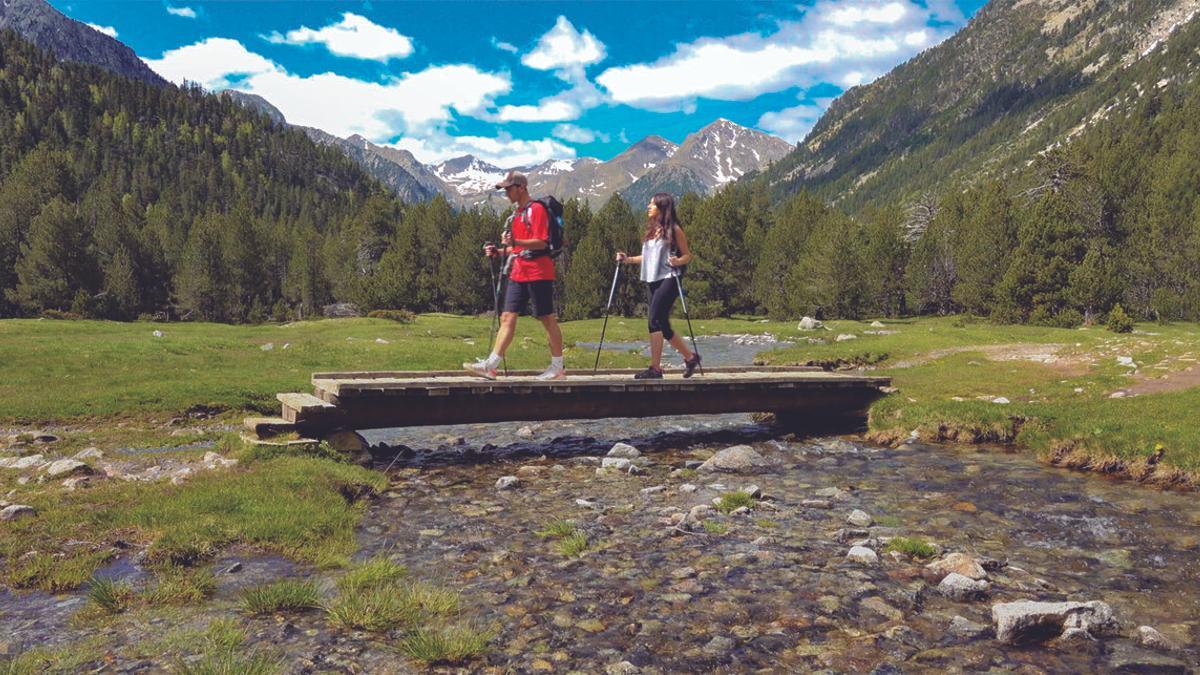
{"points": [[446, 645], [179, 585], [108, 596], [715, 527], [947, 367], [572, 545], [378, 571], [284, 595], [732, 501], [66, 370], [557, 529], [223, 654], [295, 506], [911, 546]]}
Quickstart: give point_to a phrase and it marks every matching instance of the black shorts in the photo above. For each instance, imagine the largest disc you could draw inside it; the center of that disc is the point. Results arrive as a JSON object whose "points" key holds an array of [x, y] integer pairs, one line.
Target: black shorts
{"points": [[519, 293]]}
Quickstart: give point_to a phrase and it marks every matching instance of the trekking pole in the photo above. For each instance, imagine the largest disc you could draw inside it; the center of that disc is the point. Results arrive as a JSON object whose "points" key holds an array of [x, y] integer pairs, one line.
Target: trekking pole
{"points": [[495, 301], [679, 285], [611, 291]]}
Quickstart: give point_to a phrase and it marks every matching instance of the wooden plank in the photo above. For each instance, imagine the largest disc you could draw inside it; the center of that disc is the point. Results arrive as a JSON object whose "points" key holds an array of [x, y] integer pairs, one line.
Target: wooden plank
{"points": [[423, 374], [301, 402]]}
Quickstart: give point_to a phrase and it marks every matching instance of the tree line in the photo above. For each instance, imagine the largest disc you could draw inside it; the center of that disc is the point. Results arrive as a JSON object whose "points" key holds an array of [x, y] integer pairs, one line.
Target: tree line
{"points": [[120, 199]]}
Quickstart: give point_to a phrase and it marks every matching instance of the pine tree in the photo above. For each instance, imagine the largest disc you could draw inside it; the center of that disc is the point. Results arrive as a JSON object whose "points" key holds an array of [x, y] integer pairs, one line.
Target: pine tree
{"points": [[989, 233], [57, 262], [782, 249], [121, 297], [204, 283]]}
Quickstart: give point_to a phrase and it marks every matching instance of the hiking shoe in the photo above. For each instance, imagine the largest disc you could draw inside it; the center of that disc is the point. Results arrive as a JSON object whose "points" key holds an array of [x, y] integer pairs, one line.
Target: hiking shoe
{"points": [[481, 368], [552, 373], [690, 365], [650, 373]]}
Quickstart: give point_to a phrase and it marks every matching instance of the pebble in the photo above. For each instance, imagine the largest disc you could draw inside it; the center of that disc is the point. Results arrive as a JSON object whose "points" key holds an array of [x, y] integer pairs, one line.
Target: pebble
{"points": [[754, 491], [832, 493], [646, 492], [863, 555], [624, 451], [622, 668], [816, 504], [618, 463], [958, 587], [719, 645], [965, 628], [508, 483], [587, 503], [859, 518], [956, 562], [1147, 636], [525, 432], [688, 487]]}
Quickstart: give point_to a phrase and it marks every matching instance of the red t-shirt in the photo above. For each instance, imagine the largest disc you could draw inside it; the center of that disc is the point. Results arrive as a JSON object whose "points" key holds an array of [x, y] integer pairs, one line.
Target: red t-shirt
{"points": [[531, 223]]}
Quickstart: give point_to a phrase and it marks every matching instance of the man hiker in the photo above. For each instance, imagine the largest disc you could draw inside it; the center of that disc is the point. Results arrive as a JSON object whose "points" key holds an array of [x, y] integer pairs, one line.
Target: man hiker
{"points": [[531, 279]]}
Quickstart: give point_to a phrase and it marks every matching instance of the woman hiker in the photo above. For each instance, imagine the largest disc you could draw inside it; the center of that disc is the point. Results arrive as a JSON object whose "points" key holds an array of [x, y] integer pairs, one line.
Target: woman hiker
{"points": [[664, 251]]}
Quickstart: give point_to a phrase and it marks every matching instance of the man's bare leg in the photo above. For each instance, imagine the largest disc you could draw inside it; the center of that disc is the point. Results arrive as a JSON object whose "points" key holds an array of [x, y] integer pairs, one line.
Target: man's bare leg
{"points": [[504, 336], [553, 334]]}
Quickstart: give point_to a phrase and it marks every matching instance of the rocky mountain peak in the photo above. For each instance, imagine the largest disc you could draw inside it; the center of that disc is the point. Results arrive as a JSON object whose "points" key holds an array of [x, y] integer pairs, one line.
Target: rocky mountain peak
{"points": [[71, 40]]}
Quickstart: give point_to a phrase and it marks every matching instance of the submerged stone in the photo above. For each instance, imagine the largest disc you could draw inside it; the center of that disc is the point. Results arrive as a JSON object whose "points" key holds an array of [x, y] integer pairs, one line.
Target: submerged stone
{"points": [[738, 458], [1028, 621]]}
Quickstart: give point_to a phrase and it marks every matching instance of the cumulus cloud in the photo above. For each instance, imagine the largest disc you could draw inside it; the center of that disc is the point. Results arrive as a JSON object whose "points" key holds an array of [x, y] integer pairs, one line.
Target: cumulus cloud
{"points": [[414, 103], [566, 52], [107, 30], [502, 150], [185, 12], [573, 133], [504, 46], [564, 49], [793, 124], [354, 36], [214, 63], [831, 42]]}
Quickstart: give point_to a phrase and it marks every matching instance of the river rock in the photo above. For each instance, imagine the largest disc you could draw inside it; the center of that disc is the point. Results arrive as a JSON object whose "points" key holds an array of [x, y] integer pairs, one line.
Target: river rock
{"points": [[720, 644], [624, 450], [618, 463], [508, 483], [844, 337], [1030, 621], [1125, 658], [958, 587], [531, 471], [212, 460], [859, 518], [809, 323], [965, 628], [88, 454], [65, 468], [754, 491], [622, 668], [16, 512], [862, 555], [816, 504], [954, 563], [735, 459], [833, 493], [647, 491], [1149, 637], [21, 463]]}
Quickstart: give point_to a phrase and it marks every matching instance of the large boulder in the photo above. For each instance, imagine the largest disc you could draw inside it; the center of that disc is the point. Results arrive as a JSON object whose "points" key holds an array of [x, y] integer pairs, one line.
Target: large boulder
{"points": [[624, 451], [809, 323], [17, 511], [66, 468], [1028, 621], [736, 459]]}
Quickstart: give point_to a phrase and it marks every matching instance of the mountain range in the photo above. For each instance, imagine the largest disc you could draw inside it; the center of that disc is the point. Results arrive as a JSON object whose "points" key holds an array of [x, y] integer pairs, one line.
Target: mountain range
{"points": [[1023, 77], [709, 158]]}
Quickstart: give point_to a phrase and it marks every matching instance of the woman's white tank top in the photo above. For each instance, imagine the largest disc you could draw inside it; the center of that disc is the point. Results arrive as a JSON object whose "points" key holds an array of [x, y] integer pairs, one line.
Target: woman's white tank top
{"points": [[655, 264]]}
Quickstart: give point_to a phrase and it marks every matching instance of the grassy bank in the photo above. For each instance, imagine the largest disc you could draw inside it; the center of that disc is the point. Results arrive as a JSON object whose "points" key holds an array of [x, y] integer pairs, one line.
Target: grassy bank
{"points": [[1069, 395]]}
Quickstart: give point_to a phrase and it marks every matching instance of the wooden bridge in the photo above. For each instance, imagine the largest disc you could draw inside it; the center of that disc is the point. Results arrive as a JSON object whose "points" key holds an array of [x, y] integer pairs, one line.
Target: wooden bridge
{"points": [[343, 403]]}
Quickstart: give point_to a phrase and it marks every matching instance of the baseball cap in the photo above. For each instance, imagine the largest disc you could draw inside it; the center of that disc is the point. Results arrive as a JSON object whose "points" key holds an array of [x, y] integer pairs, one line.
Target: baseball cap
{"points": [[513, 178]]}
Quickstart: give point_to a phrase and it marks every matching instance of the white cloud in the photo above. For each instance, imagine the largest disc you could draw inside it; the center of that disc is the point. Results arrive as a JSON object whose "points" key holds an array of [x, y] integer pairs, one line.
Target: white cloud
{"points": [[107, 30], [354, 36], [215, 63], [831, 42], [504, 46], [418, 104], [503, 150], [185, 12], [567, 52], [793, 124], [573, 133], [563, 48]]}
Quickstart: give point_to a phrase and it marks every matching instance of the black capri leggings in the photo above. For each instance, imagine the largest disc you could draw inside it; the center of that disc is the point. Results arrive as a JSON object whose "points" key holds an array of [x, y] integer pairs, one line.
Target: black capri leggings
{"points": [[662, 295]]}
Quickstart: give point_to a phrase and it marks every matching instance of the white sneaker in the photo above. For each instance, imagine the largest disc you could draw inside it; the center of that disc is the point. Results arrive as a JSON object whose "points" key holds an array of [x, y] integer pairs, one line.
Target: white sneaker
{"points": [[553, 373], [481, 368]]}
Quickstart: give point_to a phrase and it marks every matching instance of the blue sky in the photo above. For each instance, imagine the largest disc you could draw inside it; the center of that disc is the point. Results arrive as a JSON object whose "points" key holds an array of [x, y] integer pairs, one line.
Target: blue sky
{"points": [[519, 82]]}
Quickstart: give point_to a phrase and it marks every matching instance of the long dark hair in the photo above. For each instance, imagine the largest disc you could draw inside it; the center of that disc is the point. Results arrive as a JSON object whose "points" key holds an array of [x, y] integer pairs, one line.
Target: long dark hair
{"points": [[665, 221]]}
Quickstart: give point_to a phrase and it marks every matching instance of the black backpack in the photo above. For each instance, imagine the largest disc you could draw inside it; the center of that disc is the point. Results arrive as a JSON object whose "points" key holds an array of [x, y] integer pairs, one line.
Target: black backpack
{"points": [[558, 238]]}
